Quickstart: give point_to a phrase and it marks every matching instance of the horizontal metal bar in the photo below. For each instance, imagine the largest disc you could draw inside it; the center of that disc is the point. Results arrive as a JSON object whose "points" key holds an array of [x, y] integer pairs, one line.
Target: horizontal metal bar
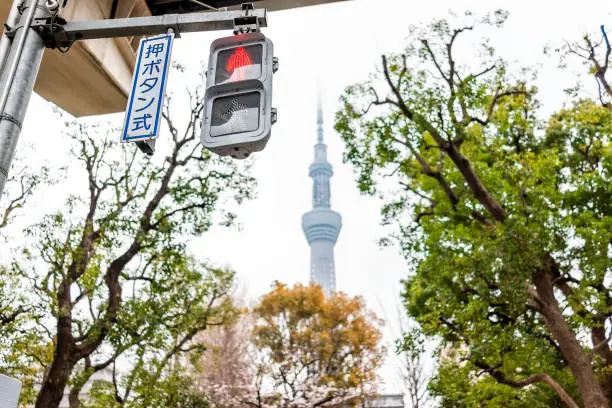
{"points": [[139, 26]]}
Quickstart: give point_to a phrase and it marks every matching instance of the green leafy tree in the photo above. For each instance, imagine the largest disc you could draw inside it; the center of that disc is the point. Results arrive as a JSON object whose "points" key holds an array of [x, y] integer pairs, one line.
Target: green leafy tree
{"points": [[122, 231], [174, 389], [20, 345], [157, 329], [506, 220], [20, 186], [17, 313]]}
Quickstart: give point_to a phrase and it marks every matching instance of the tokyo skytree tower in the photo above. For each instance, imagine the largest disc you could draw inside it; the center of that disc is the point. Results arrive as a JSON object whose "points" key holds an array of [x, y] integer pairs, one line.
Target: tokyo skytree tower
{"points": [[321, 225]]}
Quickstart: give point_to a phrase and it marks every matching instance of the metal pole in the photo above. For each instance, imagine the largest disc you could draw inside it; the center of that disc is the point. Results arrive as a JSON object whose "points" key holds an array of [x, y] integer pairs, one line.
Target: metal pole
{"points": [[27, 62], [16, 56], [5, 42]]}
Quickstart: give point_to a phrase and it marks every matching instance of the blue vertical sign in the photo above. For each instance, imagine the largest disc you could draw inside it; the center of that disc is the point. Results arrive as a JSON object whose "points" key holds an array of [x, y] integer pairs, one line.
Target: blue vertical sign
{"points": [[143, 114]]}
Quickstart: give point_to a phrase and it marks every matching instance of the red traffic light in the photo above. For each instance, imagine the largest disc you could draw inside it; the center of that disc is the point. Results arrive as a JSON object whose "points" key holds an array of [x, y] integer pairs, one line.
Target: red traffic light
{"points": [[239, 64], [239, 59], [238, 113]]}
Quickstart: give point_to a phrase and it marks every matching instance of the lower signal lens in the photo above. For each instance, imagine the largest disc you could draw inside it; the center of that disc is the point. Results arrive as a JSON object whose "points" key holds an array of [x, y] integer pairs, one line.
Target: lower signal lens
{"points": [[235, 114]]}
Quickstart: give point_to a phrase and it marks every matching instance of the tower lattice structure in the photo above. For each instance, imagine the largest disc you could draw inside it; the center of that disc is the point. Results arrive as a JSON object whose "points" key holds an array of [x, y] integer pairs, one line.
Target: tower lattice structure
{"points": [[321, 225]]}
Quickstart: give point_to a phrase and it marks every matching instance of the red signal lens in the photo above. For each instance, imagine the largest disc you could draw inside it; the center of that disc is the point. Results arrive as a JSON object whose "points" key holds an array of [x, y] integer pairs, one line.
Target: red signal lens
{"points": [[239, 63], [239, 59]]}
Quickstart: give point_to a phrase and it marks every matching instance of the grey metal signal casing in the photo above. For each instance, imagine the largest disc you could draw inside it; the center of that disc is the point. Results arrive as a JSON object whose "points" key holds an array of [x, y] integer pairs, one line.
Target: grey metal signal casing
{"points": [[240, 145]]}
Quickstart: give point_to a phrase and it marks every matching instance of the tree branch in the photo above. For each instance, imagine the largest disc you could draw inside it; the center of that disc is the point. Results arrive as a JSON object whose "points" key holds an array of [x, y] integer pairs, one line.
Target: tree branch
{"points": [[435, 62], [10, 318], [497, 98], [542, 377], [419, 120]]}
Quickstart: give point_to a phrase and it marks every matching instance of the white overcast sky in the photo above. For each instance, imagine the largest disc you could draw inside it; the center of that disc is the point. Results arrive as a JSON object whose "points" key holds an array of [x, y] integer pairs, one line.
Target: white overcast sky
{"points": [[336, 45]]}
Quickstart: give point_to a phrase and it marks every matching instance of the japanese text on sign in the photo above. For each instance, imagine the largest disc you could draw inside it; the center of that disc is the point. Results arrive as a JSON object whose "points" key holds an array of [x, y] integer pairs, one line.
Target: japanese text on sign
{"points": [[142, 118]]}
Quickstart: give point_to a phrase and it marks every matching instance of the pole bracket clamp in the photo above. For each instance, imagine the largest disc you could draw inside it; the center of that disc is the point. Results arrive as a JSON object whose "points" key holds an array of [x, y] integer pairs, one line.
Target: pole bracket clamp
{"points": [[47, 29], [12, 119]]}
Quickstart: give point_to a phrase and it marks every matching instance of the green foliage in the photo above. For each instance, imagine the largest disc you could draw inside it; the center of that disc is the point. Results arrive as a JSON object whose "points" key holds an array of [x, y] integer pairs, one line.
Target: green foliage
{"points": [[107, 279], [187, 303], [459, 387], [486, 199], [21, 347], [176, 389]]}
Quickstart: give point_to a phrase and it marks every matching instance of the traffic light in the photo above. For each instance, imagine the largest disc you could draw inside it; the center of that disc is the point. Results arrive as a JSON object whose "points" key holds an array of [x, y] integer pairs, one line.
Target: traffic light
{"points": [[238, 113]]}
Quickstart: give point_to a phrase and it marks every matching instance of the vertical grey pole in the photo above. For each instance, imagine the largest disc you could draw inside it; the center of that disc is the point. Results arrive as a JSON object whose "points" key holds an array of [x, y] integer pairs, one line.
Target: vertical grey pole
{"points": [[21, 89], [5, 42]]}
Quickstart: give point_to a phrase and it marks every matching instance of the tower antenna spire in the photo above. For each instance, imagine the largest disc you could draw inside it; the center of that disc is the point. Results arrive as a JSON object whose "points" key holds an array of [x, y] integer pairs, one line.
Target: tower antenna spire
{"points": [[319, 119]]}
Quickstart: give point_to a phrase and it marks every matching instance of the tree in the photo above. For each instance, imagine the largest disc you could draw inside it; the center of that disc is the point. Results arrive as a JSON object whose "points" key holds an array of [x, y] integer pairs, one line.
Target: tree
{"points": [[410, 350], [225, 368], [310, 351], [125, 231], [507, 220], [174, 389], [411, 354], [157, 329], [20, 186], [17, 315], [595, 54], [17, 339], [317, 351]]}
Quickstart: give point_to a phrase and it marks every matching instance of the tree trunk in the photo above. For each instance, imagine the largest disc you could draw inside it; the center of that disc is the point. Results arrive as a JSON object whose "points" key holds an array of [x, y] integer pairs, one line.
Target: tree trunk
{"points": [[591, 392], [55, 381], [601, 348], [73, 396]]}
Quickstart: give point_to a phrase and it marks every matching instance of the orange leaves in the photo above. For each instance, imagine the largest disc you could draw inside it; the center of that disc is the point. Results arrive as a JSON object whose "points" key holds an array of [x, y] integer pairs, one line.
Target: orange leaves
{"points": [[331, 341]]}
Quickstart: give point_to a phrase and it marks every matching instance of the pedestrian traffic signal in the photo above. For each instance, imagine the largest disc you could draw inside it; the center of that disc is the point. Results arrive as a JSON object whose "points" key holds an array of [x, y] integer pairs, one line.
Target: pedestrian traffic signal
{"points": [[239, 64], [238, 113]]}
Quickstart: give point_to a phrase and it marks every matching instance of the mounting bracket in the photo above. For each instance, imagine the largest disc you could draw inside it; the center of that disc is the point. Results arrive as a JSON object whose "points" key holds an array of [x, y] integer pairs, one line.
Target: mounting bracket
{"points": [[64, 34], [247, 22]]}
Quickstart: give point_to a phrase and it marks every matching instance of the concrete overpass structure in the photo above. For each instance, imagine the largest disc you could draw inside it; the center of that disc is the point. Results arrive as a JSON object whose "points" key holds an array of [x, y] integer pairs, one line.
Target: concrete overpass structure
{"points": [[94, 76]]}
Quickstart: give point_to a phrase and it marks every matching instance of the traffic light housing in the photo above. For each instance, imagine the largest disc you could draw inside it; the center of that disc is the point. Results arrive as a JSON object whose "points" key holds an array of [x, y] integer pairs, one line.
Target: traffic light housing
{"points": [[237, 110]]}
